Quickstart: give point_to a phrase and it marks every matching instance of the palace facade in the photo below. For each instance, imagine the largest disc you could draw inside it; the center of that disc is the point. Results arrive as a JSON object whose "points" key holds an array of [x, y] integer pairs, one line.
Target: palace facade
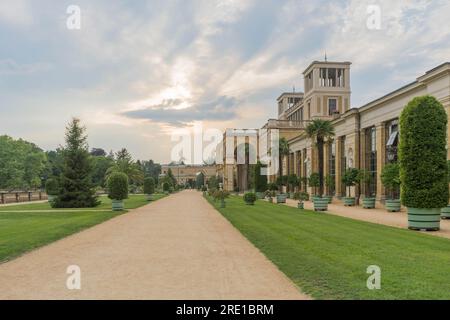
{"points": [[365, 137]]}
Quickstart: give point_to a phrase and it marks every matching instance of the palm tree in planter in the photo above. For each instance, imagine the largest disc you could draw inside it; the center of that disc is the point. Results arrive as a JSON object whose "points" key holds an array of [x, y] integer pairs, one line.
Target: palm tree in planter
{"points": [[329, 184], [117, 189], [301, 197], [423, 162], [149, 187], [365, 178], [259, 181], [445, 212], [320, 204], [52, 189], [250, 198], [320, 131], [390, 177], [350, 179]]}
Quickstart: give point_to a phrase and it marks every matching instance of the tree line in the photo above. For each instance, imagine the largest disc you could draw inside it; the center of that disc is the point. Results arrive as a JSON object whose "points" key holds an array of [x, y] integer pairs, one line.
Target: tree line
{"points": [[24, 166]]}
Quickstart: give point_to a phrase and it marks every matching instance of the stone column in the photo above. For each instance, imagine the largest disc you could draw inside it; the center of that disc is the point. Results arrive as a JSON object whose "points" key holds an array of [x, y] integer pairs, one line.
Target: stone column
{"points": [[381, 158], [326, 164], [338, 167]]}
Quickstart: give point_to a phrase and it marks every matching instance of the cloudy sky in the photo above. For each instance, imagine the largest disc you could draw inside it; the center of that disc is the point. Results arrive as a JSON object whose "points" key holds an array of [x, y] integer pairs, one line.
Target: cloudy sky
{"points": [[138, 71]]}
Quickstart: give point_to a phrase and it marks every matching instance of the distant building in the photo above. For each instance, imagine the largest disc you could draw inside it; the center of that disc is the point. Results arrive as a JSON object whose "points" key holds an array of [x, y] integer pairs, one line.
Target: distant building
{"points": [[188, 173]]}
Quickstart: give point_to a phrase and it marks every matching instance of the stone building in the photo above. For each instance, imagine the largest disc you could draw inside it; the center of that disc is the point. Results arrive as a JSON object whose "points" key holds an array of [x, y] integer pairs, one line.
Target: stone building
{"points": [[188, 173], [366, 137]]}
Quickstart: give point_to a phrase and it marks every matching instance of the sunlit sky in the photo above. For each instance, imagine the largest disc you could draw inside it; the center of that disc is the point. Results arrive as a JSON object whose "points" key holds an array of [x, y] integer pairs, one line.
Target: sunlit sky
{"points": [[138, 70]]}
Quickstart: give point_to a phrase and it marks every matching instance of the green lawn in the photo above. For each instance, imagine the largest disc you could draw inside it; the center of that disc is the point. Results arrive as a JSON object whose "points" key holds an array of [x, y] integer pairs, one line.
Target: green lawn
{"points": [[21, 232], [327, 256]]}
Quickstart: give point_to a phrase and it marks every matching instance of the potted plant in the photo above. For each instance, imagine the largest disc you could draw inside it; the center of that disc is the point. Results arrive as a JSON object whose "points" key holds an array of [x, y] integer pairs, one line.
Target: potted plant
{"points": [[52, 189], [117, 189], [390, 177], [269, 195], [166, 188], [423, 162], [250, 198], [281, 197], [349, 179], [204, 189], [292, 182], [329, 183], [149, 187], [365, 178], [320, 204], [301, 197], [259, 181], [221, 195], [445, 212]]}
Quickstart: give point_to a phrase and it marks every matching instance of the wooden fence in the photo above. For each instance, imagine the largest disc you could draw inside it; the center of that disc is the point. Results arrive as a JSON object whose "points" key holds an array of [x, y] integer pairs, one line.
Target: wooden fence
{"points": [[21, 196]]}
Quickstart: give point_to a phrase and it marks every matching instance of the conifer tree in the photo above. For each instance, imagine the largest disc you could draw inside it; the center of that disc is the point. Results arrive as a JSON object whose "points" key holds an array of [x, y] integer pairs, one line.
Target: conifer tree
{"points": [[76, 189]]}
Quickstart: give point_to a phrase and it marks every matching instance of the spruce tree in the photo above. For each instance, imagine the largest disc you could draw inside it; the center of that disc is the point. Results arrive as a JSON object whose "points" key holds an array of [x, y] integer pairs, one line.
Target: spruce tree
{"points": [[76, 189]]}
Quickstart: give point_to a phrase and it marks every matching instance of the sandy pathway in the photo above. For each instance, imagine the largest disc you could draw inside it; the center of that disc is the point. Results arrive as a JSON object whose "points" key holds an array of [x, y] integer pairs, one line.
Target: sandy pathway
{"points": [[379, 216], [178, 247]]}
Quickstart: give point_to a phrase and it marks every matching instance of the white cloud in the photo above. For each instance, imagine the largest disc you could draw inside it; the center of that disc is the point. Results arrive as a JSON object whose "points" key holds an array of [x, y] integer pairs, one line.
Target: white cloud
{"points": [[17, 12]]}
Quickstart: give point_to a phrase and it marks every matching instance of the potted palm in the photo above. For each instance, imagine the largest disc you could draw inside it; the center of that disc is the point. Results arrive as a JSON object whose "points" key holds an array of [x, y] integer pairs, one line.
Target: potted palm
{"points": [[259, 181], [52, 189], [349, 179], [329, 183], [320, 131], [390, 177], [365, 178], [149, 187], [423, 162], [269, 195], [250, 198], [445, 212], [117, 189], [281, 197], [292, 182]]}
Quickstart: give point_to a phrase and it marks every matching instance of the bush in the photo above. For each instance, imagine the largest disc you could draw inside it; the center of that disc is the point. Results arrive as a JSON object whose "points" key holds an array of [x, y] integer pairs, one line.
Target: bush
{"points": [[314, 181], [250, 197], [292, 181], [117, 186], [423, 154], [350, 178], [149, 185], [52, 187], [204, 188], [272, 187], [390, 177], [260, 181], [166, 187]]}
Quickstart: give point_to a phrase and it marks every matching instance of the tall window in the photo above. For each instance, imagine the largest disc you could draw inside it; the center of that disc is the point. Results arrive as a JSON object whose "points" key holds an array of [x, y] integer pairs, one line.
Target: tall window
{"points": [[371, 159], [392, 136], [332, 106], [332, 166], [331, 77]]}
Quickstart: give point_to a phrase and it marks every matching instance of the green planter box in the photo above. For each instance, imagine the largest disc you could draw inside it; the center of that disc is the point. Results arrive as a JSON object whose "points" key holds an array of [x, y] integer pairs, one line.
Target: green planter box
{"points": [[369, 203], [424, 219], [320, 204], [117, 205], [445, 212], [281, 198], [149, 197], [349, 201], [260, 195], [393, 205], [329, 198]]}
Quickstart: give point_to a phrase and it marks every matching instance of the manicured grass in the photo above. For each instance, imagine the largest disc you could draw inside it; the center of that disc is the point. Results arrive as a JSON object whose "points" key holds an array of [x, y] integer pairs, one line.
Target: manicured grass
{"points": [[21, 232], [134, 201], [327, 256]]}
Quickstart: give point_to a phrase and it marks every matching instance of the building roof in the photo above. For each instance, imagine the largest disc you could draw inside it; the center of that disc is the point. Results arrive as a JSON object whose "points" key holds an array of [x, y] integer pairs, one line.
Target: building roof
{"points": [[298, 94], [325, 62]]}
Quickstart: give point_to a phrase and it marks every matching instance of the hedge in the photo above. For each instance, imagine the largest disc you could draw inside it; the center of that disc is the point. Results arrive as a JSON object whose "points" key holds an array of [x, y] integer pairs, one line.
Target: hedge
{"points": [[423, 154]]}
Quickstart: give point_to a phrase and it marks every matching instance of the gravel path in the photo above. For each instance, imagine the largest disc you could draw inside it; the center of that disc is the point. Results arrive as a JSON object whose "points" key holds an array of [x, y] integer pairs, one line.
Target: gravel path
{"points": [[178, 247]]}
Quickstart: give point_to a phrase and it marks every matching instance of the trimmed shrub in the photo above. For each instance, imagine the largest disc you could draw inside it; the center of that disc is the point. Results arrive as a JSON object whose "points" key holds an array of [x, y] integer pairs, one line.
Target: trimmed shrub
{"points": [[314, 181], [149, 185], [423, 154], [52, 187], [390, 177], [166, 187], [117, 186], [250, 197], [260, 181], [350, 178]]}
